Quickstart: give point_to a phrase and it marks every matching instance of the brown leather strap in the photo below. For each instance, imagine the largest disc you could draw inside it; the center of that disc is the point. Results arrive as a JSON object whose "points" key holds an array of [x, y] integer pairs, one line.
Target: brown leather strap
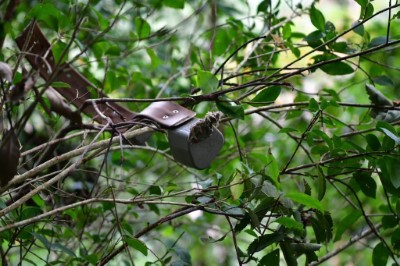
{"points": [[167, 114], [38, 52]]}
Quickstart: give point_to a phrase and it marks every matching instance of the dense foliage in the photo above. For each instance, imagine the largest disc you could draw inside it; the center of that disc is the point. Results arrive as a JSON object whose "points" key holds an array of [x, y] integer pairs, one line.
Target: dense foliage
{"points": [[310, 169]]}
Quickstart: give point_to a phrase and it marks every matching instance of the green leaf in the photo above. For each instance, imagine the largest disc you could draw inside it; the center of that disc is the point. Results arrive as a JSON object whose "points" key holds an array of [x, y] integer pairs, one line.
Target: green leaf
{"points": [[30, 212], [230, 108], [288, 253], [183, 254], [38, 200], [378, 41], [155, 61], [389, 222], [137, 244], [286, 31], [313, 105], [103, 22], [396, 239], [314, 39], [305, 200], [317, 18], [330, 31], [301, 248], [390, 168], [362, 3], [288, 130], [337, 69], [380, 255], [92, 258], [255, 222], [322, 225], [264, 6], [177, 4], [320, 134], [272, 167], [264, 241], [237, 187], [113, 51], [58, 50], [50, 15], [366, 183], [155, 190], [391, 135], [358, 28], [383, 80], [143, 28], [60, 84], [53, 246], [289, 223], [368, 11], [266, 96], [346, 223], [271, 259], [64, 249], [321, 181], [373, 142], [206, 81], [221, 42]]}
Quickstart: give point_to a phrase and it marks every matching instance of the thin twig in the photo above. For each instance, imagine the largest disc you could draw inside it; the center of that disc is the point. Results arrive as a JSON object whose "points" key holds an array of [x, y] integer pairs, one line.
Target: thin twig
{"points": [[353, 240], [66, 156]]}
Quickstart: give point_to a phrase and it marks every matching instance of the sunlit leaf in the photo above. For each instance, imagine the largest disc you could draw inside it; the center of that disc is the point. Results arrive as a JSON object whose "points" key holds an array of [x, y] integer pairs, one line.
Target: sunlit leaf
{"points": [[289, 223], [137, 245], [59, 84], [237, 187], [206, 81], [143, 28], [230, 108], [305, 200], [266, 96], [286, 31], [59, 52], [178, 4]]}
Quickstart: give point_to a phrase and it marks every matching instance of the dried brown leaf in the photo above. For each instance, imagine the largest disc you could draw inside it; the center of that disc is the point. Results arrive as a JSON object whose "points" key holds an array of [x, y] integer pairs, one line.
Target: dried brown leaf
{"points": [[9, 156]]}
